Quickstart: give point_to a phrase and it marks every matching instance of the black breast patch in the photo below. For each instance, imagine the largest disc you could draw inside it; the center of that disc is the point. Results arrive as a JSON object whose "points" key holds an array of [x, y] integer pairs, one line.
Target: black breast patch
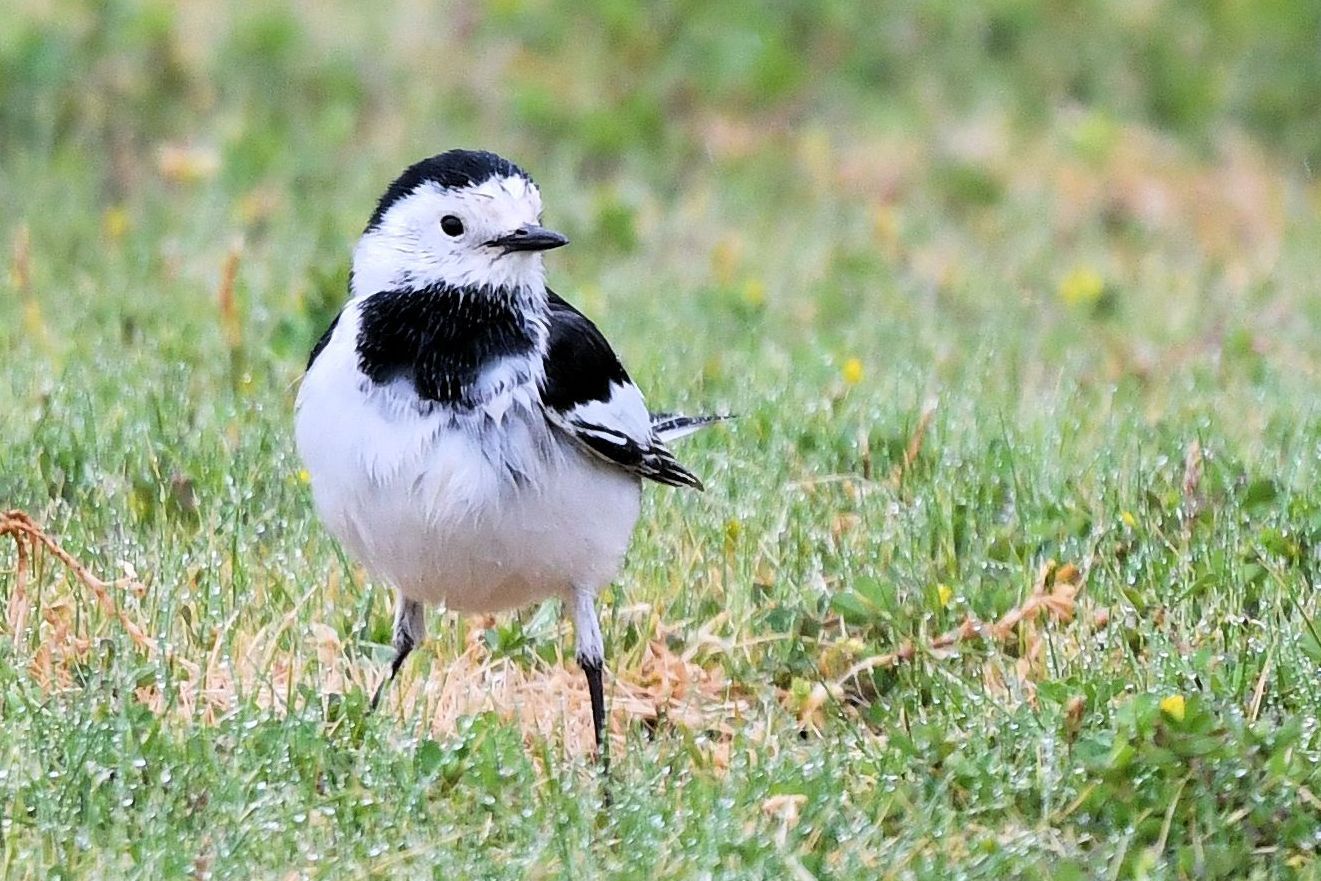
{"points": [[439, 339]]}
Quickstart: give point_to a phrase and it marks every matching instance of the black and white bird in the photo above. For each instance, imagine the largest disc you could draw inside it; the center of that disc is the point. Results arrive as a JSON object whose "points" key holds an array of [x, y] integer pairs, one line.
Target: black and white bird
{"points": [[471, 437]]}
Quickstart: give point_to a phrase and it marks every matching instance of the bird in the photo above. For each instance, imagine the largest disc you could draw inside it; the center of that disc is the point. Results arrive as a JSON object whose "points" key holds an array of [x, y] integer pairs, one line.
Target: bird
{"points": [[471, 438]]}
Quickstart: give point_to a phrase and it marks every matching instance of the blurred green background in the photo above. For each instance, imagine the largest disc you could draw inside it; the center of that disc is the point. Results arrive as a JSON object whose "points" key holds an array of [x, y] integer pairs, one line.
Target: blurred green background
{"points": [[993, 287], [802, 147]]}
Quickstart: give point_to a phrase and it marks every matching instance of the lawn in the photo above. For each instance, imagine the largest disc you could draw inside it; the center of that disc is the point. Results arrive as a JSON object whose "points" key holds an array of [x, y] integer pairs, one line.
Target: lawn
{"points": [[1005, 569]]}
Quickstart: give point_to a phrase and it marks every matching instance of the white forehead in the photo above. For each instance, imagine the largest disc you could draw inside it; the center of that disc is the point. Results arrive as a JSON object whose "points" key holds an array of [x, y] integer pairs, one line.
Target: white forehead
{"points": [[498, 204]]}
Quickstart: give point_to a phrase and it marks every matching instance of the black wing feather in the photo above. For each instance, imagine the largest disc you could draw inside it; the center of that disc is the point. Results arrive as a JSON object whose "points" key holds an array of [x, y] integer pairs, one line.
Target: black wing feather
{"points": [[321, 343], [580, 368], [580, 365]]}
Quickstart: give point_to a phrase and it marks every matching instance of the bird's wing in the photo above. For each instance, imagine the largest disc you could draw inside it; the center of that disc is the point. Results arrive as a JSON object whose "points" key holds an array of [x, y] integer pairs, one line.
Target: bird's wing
{"points": [[321, 343], [590, 397]]}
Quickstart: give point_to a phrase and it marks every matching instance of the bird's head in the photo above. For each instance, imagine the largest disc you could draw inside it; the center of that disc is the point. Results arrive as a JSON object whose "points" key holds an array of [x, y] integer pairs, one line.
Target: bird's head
{"points": [[465, 218]]}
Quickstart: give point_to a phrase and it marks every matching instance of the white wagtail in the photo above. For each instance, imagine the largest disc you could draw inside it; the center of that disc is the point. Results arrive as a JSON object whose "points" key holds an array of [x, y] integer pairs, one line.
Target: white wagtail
{"points": [[470, 436]]}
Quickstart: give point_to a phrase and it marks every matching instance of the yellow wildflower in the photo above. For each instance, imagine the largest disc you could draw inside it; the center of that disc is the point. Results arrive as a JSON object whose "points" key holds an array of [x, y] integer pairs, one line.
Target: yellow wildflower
{"points": [[852, 371], [1081, 287], [754, 292], [1173, 706], [115, 222]]}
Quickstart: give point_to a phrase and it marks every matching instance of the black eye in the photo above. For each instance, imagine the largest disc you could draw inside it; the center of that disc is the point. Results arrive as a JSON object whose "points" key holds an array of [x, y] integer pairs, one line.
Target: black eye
{"points": [[452, 225]]}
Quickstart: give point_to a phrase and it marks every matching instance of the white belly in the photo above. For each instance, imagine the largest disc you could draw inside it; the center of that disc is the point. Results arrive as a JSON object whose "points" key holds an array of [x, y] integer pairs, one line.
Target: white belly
{"points": [[483, 512]]}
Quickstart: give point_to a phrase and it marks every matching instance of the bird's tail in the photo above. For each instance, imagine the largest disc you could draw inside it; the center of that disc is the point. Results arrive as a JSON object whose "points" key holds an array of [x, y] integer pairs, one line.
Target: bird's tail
{"points": [[671, 426]]}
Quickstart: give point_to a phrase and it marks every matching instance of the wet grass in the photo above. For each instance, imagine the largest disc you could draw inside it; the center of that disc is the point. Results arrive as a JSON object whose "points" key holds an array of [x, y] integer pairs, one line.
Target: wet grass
{"points": [[975, 352]]}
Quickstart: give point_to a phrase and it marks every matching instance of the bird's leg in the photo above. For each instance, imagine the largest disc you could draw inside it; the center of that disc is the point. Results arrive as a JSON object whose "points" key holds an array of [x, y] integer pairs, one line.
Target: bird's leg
{"points": [[591, 657], [410, 628]]}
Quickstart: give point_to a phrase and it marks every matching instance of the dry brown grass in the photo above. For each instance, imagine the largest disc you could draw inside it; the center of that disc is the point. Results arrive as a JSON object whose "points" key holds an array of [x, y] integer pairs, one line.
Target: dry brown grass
{"points": [[549, 702], [546, 701]]}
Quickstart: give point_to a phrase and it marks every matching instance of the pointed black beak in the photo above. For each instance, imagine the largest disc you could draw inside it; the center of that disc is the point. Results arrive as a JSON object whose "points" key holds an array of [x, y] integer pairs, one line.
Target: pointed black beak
{"points": [[529, 238]]}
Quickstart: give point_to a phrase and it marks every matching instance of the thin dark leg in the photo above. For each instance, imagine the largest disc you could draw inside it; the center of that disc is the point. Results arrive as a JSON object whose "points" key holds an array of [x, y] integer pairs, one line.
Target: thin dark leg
{"points": [[402, 649], [596, 688], [591, 657], [409, 631]]}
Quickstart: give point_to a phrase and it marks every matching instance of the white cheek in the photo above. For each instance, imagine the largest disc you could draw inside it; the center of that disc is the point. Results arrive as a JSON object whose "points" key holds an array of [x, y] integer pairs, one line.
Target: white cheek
{"points": [[409, 248], [488, 267]]}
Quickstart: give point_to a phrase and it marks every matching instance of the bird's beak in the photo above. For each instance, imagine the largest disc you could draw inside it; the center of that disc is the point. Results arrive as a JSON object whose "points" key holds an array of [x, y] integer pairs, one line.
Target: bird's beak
{"points": [[529, 237]]}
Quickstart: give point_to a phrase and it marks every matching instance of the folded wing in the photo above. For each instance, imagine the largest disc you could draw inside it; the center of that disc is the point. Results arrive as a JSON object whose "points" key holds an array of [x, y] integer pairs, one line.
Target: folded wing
{"points": [[590, 397]]}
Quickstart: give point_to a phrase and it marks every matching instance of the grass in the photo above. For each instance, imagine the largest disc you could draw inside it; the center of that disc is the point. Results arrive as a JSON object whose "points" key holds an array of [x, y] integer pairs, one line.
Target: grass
{"points": [[980, 346]]}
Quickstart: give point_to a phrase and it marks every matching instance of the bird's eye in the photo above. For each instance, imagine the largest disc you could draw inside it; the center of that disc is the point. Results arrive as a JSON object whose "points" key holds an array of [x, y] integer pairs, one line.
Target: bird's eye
{"points": [[452, 225]]}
